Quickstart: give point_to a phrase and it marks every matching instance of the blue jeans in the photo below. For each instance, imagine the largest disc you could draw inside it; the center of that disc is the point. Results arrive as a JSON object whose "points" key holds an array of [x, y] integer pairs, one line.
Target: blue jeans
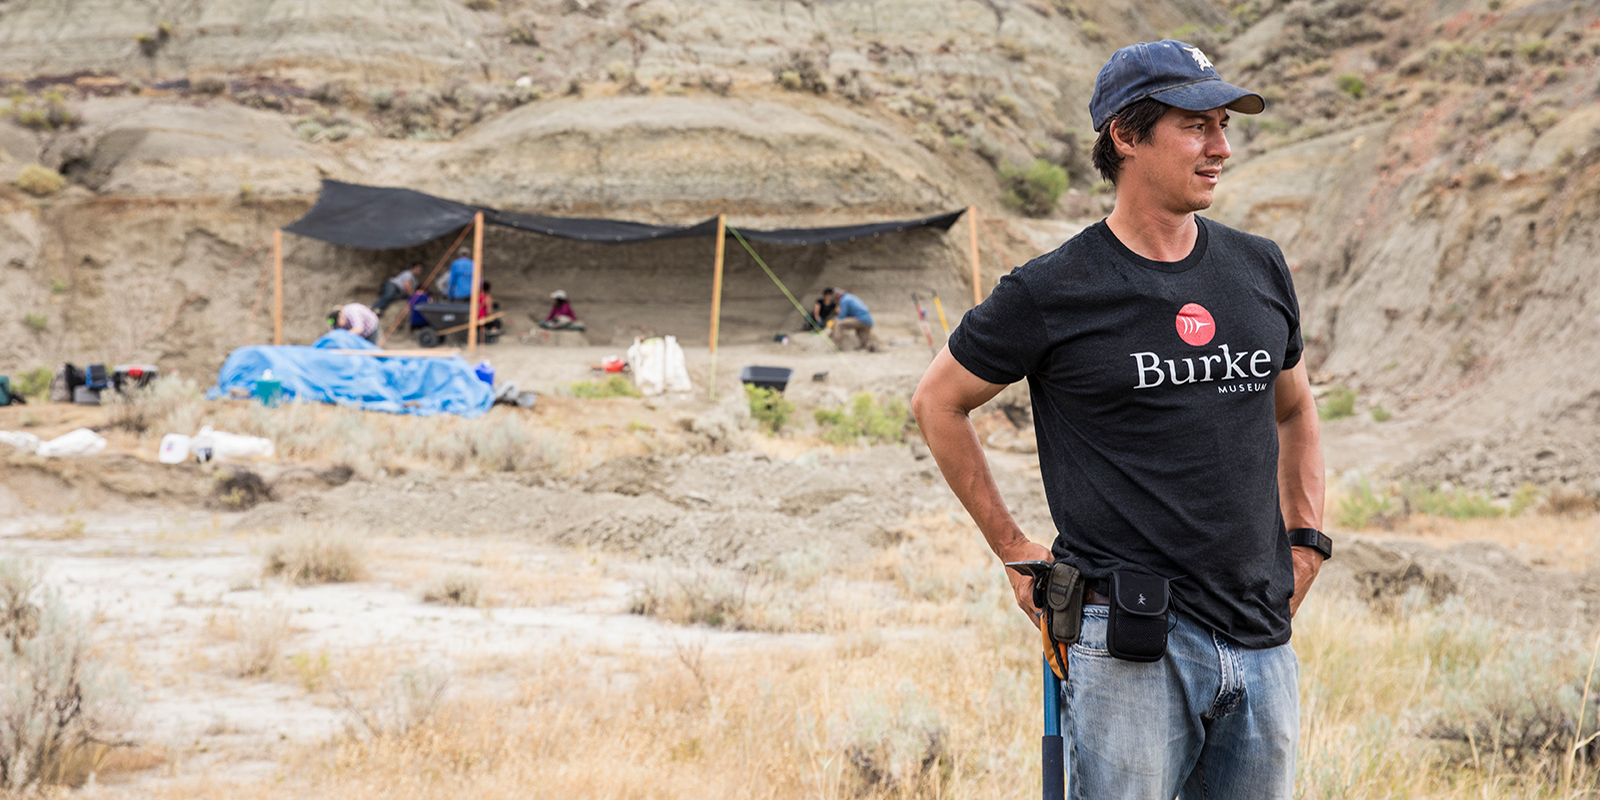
{"points": [[1209, 720]]}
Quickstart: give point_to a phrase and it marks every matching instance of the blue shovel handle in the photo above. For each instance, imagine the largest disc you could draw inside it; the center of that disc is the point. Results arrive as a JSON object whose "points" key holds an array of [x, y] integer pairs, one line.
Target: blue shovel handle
{"points": [[1052, 759]]}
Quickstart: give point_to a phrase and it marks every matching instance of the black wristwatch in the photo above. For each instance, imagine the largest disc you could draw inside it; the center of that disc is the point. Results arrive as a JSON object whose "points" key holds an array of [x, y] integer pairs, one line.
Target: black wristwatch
{"points": [[1312, 538]]}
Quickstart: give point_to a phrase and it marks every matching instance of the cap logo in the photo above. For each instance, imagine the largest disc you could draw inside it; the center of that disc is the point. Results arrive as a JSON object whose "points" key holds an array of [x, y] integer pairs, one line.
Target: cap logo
{"points": [[1199, 57]]}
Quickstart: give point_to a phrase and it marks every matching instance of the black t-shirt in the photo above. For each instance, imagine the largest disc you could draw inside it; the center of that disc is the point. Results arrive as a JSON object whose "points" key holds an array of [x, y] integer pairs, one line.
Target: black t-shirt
{"points": [[1153, 405]]}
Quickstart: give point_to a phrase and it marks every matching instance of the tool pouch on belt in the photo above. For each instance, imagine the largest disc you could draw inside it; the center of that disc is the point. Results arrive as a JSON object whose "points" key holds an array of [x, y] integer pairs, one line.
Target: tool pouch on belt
{"points": [[1063, 614], [1136, 628]]}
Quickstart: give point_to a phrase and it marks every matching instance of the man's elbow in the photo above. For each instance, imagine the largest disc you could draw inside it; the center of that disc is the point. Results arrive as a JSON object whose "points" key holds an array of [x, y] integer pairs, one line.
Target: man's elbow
{"points": [[921, 404]]}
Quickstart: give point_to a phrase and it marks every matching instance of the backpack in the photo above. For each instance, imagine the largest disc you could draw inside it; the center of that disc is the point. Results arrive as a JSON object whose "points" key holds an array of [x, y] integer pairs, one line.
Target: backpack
{"points": [[5, 391]]}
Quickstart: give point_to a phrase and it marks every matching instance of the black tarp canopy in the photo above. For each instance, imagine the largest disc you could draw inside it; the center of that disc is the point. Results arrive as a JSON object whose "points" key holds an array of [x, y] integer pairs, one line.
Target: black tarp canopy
{"points": [[381, 218]]}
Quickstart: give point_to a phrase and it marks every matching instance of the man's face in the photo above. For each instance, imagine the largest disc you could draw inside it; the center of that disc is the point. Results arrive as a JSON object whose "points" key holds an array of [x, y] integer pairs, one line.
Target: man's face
{"points": [[1182, 162]]}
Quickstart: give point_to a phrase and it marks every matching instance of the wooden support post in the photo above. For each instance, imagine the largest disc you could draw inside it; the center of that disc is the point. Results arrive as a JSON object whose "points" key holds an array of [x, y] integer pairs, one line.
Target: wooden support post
{"points": [[716, 299], [716, 282], [277, 286], [977, 272], [477, 282]]}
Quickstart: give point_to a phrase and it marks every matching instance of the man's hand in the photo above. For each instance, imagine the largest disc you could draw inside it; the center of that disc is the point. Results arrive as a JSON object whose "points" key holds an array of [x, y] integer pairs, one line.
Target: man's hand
{"points": [[1022, 585], [1307, 563]]}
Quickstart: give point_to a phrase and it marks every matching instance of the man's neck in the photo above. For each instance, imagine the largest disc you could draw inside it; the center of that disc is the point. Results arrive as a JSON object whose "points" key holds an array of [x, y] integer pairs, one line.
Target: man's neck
{"points": [[1153, 232]]}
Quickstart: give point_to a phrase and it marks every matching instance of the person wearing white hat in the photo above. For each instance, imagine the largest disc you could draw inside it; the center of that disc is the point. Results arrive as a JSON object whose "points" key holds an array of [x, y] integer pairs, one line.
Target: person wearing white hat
{"points": [[561, 314]]}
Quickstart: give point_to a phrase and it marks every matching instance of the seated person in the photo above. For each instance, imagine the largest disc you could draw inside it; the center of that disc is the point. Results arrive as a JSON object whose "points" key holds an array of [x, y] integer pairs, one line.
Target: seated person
{"points": [[418, 297], [357, 319], [486, 306], [460, 283], [561, 317], [826, 307], [853, 317], [397, 287]]}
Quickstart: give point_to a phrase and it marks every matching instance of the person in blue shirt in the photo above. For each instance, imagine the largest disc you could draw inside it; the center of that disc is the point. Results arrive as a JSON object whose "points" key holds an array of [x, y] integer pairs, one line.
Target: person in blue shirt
{"points": [[853, 318], [460, 284]]}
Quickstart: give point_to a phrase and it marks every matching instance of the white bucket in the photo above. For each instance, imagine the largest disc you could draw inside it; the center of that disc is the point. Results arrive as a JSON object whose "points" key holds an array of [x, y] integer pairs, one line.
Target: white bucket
{"points": [[174, 448]]}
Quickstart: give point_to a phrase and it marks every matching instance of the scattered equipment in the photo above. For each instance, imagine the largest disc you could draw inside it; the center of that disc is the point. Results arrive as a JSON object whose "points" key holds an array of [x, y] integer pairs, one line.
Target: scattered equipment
{"points": [[774, 378], [922, 319]]}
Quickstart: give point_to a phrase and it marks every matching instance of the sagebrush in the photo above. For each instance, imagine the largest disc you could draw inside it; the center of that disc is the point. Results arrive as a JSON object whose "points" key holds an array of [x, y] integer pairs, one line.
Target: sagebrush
{"points": [[58, 702], [865, 419]]}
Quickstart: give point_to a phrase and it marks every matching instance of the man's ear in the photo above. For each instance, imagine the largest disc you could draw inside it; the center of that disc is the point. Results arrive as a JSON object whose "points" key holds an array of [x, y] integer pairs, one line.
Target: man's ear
{"points": [[1123, 143]]}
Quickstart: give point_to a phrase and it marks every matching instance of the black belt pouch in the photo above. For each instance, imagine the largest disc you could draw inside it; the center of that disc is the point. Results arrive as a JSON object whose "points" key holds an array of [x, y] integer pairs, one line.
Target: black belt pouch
{"points": [[1136, 629]]}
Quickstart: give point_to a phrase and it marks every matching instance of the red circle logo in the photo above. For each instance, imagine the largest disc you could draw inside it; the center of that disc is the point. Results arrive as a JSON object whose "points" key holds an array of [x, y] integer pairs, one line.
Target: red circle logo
{"points": [[1195, 325]]}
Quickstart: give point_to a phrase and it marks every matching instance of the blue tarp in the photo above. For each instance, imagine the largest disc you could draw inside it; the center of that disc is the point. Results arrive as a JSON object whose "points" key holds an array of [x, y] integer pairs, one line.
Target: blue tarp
{"points": [[396, 384]]}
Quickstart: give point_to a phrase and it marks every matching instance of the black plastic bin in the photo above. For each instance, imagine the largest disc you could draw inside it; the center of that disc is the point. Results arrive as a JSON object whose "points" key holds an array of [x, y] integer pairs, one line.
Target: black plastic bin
{"points": [[776, 378]]}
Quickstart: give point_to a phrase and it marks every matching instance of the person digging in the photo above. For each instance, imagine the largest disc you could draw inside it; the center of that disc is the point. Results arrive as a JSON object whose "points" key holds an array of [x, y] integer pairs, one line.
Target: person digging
{"points": [[1179, 450], [853, 317]]}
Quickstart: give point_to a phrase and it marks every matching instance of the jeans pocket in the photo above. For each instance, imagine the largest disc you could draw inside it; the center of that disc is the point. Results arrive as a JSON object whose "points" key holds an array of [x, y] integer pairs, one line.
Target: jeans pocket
{"points": [[1092, 639]]}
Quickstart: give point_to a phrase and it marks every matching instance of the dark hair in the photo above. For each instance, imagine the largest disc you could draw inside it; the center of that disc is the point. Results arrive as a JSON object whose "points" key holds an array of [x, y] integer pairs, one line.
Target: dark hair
{"points": [[827, 290], [1138, 120], [485, 286]]}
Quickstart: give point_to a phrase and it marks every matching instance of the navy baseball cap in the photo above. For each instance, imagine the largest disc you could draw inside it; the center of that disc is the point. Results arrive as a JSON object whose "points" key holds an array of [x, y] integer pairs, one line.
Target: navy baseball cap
{"points": [[1172, 72]]}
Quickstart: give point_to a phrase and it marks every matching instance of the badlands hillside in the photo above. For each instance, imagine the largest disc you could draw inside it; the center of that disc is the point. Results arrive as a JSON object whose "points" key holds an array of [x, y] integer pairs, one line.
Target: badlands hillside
{"points": [[1432, 171]]}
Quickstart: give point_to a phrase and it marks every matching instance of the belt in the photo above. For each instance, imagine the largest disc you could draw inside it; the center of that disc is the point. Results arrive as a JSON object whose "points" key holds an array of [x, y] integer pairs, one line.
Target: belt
{"points": [[1094, 598]]}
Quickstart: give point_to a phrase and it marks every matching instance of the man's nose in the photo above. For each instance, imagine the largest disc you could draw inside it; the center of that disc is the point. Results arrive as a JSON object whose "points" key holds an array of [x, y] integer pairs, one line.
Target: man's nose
{"points": [[1217, 144]]}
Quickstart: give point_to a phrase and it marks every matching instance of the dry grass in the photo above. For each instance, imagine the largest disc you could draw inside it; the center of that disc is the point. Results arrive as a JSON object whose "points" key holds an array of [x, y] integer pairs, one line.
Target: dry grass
{"points": [[458, 588], [69, 529], [561, 437], [1387, 704], [258, 636], [307, 558]]}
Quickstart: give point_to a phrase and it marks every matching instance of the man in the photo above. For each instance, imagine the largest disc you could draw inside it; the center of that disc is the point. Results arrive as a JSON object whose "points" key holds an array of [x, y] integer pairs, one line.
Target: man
{"points": [[853, 317], [399, 287], [460, 284], [1177, 438]]}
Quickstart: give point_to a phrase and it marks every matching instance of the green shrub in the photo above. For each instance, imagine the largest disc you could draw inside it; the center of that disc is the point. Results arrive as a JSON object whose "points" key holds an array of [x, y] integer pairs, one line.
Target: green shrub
{"points": [[1366, 507], [1035, 190], [1380, 414], [1526, 498], [1453, 503], [34, 383], [769, 407], [39, 181], [484, 5], [37, 322], [1351, 84], [612, 386], [1338, 403], [864, 418], [1090, 30]]}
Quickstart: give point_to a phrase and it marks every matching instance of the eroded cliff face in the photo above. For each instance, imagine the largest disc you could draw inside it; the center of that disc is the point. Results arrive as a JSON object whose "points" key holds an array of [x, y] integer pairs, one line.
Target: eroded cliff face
{"points": [[1430, 171]]}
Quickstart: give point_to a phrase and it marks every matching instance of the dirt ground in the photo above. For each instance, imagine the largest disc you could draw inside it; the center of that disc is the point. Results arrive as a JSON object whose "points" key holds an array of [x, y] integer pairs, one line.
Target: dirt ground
{"points": [[645, 500]]}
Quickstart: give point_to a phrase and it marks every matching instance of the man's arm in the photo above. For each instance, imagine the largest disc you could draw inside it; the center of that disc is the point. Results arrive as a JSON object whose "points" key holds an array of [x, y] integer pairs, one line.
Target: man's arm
{"points": [[1301, 479], [944, 398]]}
